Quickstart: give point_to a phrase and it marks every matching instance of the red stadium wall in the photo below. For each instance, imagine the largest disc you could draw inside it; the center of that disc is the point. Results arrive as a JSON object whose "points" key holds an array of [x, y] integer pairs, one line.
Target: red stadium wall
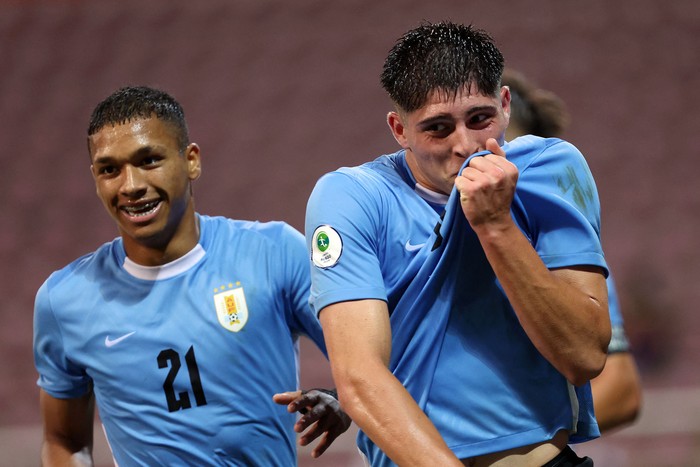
{"points": [[279, 93]]}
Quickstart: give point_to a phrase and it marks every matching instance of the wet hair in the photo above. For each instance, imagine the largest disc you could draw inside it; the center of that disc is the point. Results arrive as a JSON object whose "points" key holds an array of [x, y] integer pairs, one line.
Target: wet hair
{"points": [[140, 102], [537, 111], [444, 56]]}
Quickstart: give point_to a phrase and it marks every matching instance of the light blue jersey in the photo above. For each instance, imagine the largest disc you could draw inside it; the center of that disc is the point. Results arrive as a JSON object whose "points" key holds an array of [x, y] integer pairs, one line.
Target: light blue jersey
{"points": [[457, 345], [618, 342], [184, 358]]}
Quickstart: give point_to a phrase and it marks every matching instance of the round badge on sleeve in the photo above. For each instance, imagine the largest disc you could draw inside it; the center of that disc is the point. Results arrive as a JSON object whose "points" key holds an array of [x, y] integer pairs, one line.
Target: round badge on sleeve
{"points": [[327, 247]]}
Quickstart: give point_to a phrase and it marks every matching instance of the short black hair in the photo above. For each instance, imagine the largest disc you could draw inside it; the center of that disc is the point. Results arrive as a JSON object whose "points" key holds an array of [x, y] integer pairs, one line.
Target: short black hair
{"points": [[444, 56], [136, 102]]}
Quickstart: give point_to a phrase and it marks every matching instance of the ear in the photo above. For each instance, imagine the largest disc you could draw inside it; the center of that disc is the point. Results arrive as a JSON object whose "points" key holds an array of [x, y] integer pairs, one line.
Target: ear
{"points": [[505, 101], [194, 162], [394, 120], [92, 167]]}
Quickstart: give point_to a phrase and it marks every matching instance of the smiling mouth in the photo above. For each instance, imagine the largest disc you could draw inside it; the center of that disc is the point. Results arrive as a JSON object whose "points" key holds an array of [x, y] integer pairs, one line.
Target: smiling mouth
{"points": [[141, 210]]}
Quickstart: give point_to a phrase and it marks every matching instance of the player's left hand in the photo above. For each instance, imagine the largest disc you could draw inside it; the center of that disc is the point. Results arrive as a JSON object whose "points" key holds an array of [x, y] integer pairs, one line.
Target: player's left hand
{"points": [[321, 414], [487, 186]]}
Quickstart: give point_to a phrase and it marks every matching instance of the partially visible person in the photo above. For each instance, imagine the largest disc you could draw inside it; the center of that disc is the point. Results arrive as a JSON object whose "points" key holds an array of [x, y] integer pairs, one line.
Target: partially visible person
{"points": [[181, 330], [460, 281], [617, 391]]}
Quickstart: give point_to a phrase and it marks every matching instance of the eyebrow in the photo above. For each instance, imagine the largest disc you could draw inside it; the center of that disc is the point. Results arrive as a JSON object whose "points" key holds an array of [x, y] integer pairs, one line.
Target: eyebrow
{"points": [[142, 151], [434, 119], [447, 116]]}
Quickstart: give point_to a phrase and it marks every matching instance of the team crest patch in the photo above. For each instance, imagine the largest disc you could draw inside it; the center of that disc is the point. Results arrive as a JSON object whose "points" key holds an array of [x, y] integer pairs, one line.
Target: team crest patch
{"points": [[231, 308], [327, 247]]}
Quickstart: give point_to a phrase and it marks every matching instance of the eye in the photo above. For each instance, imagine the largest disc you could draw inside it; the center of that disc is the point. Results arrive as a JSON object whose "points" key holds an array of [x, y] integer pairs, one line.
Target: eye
{"points": [[107, 170], [479, 120], [150, 160], [438, 129]]}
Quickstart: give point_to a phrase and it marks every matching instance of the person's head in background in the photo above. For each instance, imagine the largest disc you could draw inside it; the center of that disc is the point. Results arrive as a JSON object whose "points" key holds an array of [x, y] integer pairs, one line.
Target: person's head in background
{"points": [[534, 111]]}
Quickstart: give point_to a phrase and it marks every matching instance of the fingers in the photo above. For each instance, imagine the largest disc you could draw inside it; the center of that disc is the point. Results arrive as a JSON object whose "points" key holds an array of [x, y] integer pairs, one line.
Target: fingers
{"points": [[330, 433], [487, 186], [287, 398], [308, 436], [322, 446], [494, 166], [313, 408], [490, 169], [305, 401], [321, 415]]}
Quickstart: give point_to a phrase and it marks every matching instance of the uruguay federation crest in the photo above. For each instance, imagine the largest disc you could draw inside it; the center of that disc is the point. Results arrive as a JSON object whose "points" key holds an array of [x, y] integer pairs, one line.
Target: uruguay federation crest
{"points": [[231, 308]]}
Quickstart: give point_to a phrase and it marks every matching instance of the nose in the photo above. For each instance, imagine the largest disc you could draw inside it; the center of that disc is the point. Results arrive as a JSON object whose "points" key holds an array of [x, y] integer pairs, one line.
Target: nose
{"points": [[133, 183], [463, 145]]}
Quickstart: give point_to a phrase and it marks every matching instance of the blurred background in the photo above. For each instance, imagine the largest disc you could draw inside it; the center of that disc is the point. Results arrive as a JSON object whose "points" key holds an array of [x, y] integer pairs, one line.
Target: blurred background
{"points": [[277, 93]]}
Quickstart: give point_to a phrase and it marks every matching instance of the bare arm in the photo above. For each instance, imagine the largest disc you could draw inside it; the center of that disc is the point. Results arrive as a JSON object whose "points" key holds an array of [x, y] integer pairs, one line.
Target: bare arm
{"points": [[617, 392], [358, 338], [68, 425], [565, 311]]}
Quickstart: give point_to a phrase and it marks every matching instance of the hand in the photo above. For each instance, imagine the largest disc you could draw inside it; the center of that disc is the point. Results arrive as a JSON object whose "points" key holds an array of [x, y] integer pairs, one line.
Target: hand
{"points": [[487, 186], [321, 412]]}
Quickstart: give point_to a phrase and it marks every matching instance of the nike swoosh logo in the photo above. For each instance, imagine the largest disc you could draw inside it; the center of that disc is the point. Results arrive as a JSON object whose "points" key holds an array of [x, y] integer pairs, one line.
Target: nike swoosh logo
{"points": [[112, 342], [409, 247]]}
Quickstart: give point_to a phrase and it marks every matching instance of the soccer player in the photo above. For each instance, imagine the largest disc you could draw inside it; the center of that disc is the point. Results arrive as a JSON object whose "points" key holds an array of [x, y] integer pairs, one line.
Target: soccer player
{"points": [[617, 391], [460, 282], [181, 329]]}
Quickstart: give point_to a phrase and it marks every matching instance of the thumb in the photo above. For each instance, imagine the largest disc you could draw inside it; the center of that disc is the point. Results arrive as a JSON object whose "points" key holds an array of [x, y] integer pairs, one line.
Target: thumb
{"points": [[286, 397], [495, 148]]}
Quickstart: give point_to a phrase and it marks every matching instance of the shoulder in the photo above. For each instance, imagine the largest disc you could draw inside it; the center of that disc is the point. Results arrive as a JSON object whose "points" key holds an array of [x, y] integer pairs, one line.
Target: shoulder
{"points": [[383, 171], [273, 234], [528, 151], [69, 284], [86, 266]]}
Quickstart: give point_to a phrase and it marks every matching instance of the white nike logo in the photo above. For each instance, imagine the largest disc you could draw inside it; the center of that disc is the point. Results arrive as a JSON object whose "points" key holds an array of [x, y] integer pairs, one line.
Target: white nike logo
{"points": [[112, 342], [410, 247]]}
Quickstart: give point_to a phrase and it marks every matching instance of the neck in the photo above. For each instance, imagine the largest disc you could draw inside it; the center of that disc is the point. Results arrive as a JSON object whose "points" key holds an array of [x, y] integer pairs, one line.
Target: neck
{"points": [[166, 247]]}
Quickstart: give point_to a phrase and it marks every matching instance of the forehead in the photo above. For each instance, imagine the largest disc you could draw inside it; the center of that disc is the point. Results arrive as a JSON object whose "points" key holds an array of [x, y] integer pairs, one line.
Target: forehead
{"points": [[464, 100], [126, 138]]}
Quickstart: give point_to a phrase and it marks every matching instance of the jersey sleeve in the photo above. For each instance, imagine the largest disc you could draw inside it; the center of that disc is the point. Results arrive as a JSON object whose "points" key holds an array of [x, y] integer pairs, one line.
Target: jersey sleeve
{"points": [[296, 265], [557, 206], [342, 238], [618, 341], [58, 375]]}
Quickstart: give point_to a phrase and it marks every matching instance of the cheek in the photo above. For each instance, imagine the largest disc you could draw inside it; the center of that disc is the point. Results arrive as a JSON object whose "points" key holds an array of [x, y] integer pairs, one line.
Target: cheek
{"points": [[106, 192]]}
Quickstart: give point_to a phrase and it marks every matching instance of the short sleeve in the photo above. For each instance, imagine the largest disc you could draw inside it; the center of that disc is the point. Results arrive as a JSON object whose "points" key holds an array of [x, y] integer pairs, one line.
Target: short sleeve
{"points": [[58, 375], [342, 236], [557, 205], [296, 268]]}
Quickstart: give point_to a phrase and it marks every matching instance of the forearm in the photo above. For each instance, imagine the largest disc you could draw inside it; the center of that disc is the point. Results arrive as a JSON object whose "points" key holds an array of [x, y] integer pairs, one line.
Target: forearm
{"points": [[68, 425], [617, 395], [563, 312], [386, 412], [358, 338], [56, 453]]}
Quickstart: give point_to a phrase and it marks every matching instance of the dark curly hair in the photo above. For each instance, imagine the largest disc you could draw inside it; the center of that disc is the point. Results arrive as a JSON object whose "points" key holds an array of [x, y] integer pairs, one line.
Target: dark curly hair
{"points": [[135, 102], [444, 56]]}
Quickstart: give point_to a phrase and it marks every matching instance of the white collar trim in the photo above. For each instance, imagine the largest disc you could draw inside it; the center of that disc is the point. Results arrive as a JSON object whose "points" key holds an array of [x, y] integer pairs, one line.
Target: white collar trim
{"points": [[431, 196], [166, 271]]}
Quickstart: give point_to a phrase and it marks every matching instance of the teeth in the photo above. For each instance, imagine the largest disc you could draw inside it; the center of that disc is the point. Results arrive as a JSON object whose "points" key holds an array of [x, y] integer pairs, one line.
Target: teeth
{"points": [[142, 210]]}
